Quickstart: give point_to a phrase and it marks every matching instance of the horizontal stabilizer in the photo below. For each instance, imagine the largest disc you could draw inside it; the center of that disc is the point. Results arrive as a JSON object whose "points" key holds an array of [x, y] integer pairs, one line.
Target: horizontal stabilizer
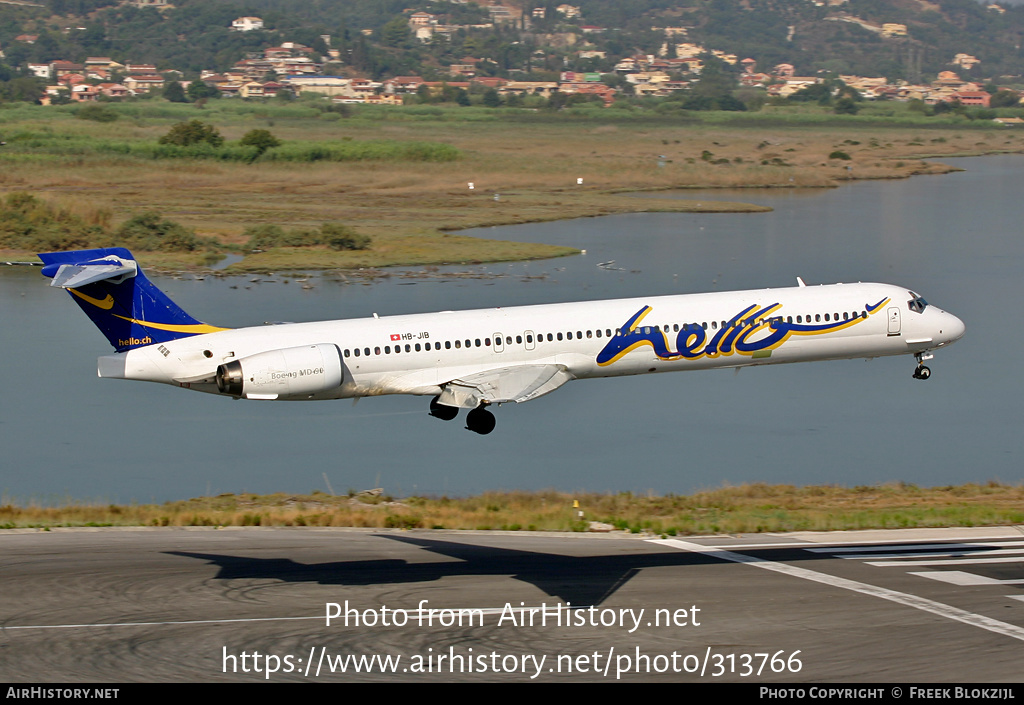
{"points": [[72, 276], [520, 383]]}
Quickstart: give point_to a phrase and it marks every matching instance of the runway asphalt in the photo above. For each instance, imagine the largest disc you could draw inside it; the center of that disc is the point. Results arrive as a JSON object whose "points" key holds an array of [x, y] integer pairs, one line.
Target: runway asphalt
{"points": [[207, 605]]}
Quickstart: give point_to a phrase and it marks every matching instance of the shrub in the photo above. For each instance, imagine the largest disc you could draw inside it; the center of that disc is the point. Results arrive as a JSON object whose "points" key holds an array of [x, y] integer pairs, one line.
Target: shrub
{"points": [[341, 237], [97, 112], [28, 223], [192, 132], [846, 106], [333, 235], [262, 140], [148, 231], [839, 155]]}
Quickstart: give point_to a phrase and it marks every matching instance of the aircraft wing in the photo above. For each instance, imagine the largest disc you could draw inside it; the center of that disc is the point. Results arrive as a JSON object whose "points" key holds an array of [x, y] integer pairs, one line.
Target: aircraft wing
{"points": [[504, 384]]}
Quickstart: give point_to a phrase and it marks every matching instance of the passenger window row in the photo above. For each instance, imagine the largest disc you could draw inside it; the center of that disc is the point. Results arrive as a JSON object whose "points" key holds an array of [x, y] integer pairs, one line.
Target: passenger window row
{"points": [[578, 335]]}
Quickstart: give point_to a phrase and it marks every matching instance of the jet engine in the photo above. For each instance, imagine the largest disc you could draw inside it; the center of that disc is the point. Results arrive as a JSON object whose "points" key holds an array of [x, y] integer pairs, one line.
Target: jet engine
{"points": [[289, 372]]}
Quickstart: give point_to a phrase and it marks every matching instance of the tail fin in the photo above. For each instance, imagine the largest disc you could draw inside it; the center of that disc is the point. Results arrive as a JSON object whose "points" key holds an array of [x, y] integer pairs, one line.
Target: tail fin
{"points": [[125, 305]]}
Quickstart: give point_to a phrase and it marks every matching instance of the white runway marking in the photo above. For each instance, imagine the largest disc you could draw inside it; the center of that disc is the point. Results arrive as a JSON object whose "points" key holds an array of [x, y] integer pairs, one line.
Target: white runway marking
{"points": [[919, 547], [959, 577], [932, 554], [968, 560], [413, 614], [157, 624], [920, 603]]}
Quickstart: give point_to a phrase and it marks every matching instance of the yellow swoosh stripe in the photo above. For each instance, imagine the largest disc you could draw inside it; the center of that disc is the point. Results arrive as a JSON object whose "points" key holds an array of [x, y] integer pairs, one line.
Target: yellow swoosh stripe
{"points": [[187, 328], [106, 304]]}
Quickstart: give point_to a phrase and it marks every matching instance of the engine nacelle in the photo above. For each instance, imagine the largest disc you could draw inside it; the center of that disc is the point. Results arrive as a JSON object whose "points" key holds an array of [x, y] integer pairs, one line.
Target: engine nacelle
{"points": [[289, 372]]}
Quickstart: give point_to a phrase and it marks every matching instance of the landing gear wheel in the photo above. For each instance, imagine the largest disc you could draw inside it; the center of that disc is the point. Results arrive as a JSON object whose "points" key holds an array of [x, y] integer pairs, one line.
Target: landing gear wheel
{"points": [[440, 411], [922, 372], [480, 420]]}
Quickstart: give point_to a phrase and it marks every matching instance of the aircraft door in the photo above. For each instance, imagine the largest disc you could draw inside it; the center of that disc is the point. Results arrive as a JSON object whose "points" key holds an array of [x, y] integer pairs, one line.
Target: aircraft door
{"points": [[499, 343], [894, 320], [529, 337]]}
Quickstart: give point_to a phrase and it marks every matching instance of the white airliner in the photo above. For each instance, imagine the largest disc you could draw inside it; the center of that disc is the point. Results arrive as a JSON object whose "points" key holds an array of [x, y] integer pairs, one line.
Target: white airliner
{"points": [[475, 359]]}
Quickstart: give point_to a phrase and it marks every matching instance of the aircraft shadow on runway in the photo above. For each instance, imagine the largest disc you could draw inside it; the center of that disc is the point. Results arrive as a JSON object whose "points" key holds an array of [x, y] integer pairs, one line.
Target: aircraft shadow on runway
{"points": [[586, 580], [579, 580]]}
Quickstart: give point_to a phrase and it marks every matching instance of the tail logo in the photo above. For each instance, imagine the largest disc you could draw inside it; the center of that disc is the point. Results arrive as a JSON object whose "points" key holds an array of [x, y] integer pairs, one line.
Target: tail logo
{"points": [[106, 303]]}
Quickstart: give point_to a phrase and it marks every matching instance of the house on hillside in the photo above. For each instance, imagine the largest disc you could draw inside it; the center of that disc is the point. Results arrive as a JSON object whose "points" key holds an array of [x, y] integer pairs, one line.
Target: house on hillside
{"points": [[606, 93], [974, 99], [541, 88], [252, 89], [247, 24], [326, 85], [63, 68], [965, 61], [113, 90], [402, 85], [144, 83], [84, 93], [102, 62], [157, 4]]}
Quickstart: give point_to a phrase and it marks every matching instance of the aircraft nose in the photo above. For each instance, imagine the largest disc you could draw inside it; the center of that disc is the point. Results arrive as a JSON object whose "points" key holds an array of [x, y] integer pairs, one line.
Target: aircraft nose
{"points": [[952, 328]]}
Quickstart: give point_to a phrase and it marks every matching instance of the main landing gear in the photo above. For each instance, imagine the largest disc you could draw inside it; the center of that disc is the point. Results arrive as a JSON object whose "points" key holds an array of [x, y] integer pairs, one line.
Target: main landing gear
{"points": [[922, 371], [440, 411], [478, 420]]}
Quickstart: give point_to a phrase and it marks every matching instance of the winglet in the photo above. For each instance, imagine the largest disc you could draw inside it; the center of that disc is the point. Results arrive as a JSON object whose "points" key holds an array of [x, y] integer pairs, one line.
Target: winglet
{"points": [[800, 282]]}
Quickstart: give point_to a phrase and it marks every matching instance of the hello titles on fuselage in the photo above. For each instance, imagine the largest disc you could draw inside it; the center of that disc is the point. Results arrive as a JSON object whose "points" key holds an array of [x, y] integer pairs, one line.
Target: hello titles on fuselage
{"points": [[739, 334]]}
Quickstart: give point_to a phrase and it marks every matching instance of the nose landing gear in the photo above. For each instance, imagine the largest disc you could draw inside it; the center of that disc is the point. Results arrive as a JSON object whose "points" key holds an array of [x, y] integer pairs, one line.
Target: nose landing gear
{"points": [[922, 371]]}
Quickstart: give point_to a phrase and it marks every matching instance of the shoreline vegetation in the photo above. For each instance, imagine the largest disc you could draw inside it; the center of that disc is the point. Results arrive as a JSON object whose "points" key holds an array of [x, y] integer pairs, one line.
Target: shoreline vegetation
{"points": [[752, 508], [400, 178]]}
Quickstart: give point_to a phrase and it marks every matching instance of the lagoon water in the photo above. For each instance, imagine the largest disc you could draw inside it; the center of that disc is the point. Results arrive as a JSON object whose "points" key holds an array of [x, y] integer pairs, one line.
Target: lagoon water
{"points": [[955, 239]]}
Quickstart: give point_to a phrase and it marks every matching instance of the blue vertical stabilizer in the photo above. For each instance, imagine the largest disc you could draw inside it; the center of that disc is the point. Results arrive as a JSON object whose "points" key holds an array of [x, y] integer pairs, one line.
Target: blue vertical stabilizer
{"points": [[112, 290]]}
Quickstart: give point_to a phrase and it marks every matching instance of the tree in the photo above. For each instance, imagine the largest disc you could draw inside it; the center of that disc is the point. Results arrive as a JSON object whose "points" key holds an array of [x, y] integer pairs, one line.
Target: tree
{"points": [[192, 132], [262, 140], [22, 88], [714, 90], [396, 32], [716, 79], [1004, 98], [846, 106], [816, 92], [174, 92], [491, 98], [197, 90]]}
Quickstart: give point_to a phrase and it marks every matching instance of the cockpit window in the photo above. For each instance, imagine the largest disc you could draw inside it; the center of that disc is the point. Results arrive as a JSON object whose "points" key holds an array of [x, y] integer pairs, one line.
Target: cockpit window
{"points": [[917, 304]]}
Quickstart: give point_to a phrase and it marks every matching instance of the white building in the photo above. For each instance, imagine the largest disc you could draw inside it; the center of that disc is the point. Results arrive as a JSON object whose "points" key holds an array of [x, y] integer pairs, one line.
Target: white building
{"points": [[247, 24]]}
